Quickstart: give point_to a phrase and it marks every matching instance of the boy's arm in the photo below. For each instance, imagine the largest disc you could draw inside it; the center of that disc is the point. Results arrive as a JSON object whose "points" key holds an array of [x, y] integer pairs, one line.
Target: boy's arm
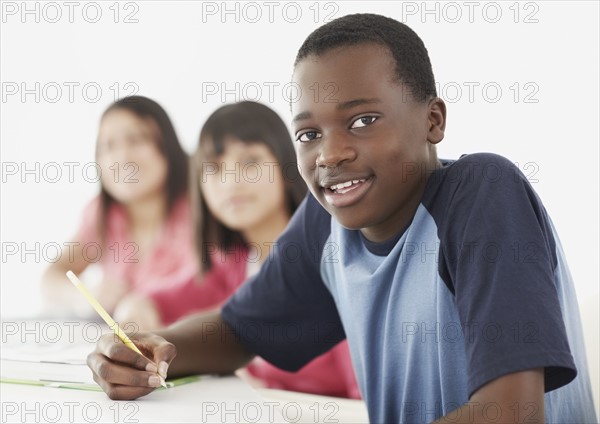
{"points": [[205, 345], [513, 398], [516, 287], [201, 344]]}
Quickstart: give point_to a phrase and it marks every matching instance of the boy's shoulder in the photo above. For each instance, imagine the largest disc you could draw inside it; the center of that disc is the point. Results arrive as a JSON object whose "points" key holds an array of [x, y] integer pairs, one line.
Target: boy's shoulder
{"points": [[310, 223], [482, 167], [478, 189], [312, 213], [473, 175], [482, 157]]}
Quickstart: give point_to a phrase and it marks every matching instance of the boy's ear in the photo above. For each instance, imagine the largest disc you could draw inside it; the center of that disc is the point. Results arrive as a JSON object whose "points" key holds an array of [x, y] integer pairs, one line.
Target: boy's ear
{"points": [[437, 120]]}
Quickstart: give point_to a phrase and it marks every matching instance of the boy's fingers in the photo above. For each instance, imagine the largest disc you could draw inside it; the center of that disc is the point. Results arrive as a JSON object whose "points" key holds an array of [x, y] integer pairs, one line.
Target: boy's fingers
{"points": [[164, 353], [118, 392], [117, 374], [112, 347]]}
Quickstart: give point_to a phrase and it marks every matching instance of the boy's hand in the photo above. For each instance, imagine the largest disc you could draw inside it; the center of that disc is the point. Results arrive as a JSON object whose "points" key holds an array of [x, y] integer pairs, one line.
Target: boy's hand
{"points": [[125, 375]]}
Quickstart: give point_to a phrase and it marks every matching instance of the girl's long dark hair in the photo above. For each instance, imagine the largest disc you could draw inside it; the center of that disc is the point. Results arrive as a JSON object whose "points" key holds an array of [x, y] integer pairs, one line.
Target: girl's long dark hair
{"points": [[168, 144], [249, 122]]}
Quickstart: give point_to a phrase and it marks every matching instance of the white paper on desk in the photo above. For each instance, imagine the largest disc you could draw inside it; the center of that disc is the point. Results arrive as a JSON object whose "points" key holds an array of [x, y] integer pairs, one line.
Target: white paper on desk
{"points": [[45, 371], [71, 353], [63, 361]]}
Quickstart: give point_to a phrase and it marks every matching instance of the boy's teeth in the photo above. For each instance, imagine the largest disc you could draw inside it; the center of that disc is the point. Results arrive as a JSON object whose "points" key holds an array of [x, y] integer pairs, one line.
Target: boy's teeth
{"points": [[346, 184]]}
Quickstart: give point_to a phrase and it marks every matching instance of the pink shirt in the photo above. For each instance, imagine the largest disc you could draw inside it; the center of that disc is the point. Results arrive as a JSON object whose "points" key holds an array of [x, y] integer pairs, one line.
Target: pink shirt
{"points": [[171, 260], [330, 374]]}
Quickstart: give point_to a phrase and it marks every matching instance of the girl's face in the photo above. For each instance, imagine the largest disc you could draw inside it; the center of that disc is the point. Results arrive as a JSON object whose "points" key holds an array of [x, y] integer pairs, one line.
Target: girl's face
{"points": [[244, 186], [133, 168]]}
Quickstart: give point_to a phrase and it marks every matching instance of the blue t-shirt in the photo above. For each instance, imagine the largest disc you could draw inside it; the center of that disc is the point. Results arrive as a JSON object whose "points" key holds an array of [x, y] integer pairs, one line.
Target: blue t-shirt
{"points": [[474, 288]]}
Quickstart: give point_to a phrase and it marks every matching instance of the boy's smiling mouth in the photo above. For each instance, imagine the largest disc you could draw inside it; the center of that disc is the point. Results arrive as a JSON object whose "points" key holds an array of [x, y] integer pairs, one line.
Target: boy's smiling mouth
{"points": [[345, 191], [345, 187]]}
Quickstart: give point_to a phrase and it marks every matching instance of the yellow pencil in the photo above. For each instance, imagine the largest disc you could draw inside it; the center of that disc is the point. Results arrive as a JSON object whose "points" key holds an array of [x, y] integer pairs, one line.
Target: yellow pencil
{"points": [[106, 317]]}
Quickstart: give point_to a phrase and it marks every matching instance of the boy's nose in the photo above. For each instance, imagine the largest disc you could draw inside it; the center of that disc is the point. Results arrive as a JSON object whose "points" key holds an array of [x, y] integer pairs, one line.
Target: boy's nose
{"points": [[335, 149]]}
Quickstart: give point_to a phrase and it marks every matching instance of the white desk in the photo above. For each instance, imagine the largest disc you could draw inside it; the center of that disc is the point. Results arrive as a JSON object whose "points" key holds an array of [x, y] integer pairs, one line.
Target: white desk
{"points": [[210, 400], [316, 408]]}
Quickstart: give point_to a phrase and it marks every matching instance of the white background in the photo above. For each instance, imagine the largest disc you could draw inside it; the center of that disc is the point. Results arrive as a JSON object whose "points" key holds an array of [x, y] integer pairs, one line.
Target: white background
{"points": [[177, 49]]}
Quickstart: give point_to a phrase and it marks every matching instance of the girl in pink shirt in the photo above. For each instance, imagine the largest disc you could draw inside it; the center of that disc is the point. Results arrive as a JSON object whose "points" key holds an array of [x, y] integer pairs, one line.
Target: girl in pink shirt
{"points": [[247, 188], [139, 228]]}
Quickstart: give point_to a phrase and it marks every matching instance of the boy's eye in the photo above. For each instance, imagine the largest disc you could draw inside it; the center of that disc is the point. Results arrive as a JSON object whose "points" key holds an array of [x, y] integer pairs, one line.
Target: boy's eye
{"points": [[308, 136], [363, 121]]}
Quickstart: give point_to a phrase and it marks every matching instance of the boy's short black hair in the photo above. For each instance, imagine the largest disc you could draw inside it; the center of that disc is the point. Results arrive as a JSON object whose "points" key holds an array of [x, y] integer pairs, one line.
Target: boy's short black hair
{"points": [[413, 67]]}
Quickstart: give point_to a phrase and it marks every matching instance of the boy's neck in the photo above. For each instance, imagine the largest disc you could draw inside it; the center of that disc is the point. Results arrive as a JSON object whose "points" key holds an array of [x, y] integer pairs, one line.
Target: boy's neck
{"points": [[402, 218]]}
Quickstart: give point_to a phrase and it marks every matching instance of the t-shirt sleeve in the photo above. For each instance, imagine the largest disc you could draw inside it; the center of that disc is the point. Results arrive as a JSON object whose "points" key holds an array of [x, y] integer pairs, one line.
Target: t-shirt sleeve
{"points": [[284, 313], [500, 255]]}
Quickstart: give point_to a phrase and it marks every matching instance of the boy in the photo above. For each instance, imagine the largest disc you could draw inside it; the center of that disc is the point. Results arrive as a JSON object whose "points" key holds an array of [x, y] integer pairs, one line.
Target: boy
{"points": [[446, 277]]}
